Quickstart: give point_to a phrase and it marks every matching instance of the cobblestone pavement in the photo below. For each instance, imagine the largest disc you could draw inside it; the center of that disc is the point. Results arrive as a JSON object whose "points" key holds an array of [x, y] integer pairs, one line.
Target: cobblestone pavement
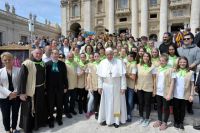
{"points": [[79, 124]]}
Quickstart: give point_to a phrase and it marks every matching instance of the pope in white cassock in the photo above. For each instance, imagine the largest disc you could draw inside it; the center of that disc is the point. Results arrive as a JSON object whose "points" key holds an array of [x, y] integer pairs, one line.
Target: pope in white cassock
{"points": [[112, 86]]}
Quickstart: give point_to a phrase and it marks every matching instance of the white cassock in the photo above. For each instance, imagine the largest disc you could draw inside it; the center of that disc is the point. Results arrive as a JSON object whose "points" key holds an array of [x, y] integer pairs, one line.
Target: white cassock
{"points": [[111, 78]]}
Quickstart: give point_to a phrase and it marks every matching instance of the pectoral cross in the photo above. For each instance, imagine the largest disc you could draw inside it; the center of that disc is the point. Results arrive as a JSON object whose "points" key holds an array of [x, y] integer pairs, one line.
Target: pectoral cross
{"points": [[110, 74]]}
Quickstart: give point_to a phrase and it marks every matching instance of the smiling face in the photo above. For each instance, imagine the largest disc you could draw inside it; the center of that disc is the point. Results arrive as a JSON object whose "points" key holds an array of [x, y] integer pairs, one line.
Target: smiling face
{"points": [[187, 40], [55, 54], [146, 58], [163, 61], [7, 61], [141, 52], [96, 57], [130, 58], [154, 53], [109, 54], [37, 54], [182, 63], [171, 50]]}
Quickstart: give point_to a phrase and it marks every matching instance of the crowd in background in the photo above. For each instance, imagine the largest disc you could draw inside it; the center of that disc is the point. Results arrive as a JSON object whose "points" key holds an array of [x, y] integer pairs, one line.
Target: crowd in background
{"points": [[67, 73]]}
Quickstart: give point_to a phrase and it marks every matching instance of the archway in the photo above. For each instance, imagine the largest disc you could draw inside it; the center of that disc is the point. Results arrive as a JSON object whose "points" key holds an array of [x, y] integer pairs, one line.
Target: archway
{"points": [[75, 28], [153, 37], [176, 27]]}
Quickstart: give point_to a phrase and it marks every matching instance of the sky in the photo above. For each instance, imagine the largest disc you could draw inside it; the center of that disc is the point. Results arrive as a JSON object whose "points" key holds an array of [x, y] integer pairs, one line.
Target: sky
{"points": [[44, 9]]}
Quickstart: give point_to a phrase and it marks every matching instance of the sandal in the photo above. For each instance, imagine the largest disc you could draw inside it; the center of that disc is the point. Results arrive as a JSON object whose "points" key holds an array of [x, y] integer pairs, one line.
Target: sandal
{"points": [[157, 124], [163, 126]]}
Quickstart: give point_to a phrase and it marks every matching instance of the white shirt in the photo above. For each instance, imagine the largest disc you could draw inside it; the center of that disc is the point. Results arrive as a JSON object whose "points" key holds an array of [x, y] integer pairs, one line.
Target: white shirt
{"points": [[179, 85], [160, 84], [66, 51], [45, 58]]}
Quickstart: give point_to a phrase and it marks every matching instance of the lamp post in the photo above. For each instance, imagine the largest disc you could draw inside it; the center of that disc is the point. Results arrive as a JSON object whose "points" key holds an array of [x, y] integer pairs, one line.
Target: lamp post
{"points": [[31, 28]]}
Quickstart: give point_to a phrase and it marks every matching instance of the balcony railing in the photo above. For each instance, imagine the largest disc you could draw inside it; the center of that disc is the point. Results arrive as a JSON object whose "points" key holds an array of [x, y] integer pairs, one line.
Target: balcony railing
{"points": [[172, 17], [154, 6], [124, 11], [100, 14], [75, 18], [179, 2]]}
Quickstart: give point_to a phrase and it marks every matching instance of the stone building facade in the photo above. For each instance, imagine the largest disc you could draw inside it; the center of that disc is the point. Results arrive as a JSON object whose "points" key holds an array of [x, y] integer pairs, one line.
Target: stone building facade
{"points": [[14, 28], [140, 17]]}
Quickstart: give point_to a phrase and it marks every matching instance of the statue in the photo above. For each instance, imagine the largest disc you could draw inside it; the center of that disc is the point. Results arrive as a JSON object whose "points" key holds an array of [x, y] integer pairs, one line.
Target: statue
{"points": [[7, 7], [13, 10], [30, 16], [46, 21], [34, 18]]}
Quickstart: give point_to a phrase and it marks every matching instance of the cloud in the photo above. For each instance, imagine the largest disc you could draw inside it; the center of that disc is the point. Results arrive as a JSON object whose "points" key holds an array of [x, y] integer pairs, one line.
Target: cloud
{"points": [[44, 9]]}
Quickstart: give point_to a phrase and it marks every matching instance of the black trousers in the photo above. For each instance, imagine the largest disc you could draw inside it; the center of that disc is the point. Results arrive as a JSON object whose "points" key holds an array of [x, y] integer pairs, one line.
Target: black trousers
{"points": [[82, 99], [179, 110], [69, 101], [144, 100], [6, 107], [97, 98], [55, 99], [162, 103]]}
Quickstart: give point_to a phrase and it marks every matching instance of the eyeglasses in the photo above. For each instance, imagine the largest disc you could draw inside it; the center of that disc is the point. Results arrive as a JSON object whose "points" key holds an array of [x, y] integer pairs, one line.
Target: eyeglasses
{"points": [[186, 39]]}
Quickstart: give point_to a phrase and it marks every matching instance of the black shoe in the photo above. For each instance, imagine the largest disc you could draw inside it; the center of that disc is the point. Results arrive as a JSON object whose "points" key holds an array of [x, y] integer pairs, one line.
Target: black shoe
{"points": [[74, 112], [197, 127], [176, 125], [116, 125], [85, 110], [68, 115], [129, 120], [190, 111], [80, 112], [51, 124], [103, 123], [96, 116], [59, 122], [181, 127]]}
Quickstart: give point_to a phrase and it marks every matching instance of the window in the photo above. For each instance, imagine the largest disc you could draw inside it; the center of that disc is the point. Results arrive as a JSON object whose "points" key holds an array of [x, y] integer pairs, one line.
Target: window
{"points": [[75, 10], [153, 15], [122, 4], [177, 13], [122, 19], [24, 39], [153, 2], [1, 38], [100, 6]]}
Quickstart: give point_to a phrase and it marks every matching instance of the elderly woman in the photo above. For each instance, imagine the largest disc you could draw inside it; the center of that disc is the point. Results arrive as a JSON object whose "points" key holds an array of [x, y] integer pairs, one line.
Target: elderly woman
{"points": [[9, 102]]}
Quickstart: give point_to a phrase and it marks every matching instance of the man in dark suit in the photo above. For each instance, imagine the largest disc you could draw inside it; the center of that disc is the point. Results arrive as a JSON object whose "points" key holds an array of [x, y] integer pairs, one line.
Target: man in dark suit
{"points": [[57, 85]]}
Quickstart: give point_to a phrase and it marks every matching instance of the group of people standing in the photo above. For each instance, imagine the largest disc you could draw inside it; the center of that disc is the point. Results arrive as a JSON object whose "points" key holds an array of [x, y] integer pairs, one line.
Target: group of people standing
{"points": [[105, 78]]}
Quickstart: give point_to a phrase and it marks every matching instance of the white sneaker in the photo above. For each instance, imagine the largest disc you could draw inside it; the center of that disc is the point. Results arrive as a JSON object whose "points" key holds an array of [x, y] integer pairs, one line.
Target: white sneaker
{"points": [[141, 121], [146, 122]]}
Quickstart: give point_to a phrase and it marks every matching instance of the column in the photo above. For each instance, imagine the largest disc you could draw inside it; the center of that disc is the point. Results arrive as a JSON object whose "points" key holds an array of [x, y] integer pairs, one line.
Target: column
{"points": [[144, 18], [163, 18], [195, 15], [134, 9], [64, 20], [111, 16], [169, 27], [87, 15]]}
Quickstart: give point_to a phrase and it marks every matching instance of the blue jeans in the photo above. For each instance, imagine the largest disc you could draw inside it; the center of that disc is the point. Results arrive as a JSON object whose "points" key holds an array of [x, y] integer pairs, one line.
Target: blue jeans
{"points": [[130, 100]]}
